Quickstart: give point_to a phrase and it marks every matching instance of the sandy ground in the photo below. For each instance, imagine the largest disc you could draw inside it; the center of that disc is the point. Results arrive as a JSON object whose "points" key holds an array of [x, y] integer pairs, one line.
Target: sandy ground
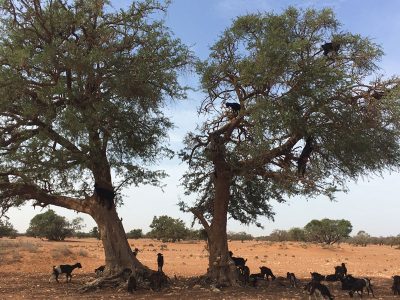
{"points": [[26, 264]]}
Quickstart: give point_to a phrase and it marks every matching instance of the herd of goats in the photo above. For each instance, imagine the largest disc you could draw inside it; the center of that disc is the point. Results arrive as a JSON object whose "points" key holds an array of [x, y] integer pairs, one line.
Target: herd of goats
{"points": [[348, 283]]}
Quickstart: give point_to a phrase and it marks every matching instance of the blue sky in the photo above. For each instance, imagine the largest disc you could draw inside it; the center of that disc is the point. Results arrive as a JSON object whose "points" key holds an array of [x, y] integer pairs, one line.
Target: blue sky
{"points": [[371, 203]]}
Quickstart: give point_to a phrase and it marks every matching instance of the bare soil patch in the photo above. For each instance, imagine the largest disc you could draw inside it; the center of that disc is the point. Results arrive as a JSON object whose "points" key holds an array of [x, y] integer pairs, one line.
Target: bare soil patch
{"points": [[26, 264]]}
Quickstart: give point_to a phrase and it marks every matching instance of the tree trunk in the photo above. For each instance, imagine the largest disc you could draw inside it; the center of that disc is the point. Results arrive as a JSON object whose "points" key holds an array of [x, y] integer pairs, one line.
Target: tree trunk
{"points": [[221, 267], [118, 253]]}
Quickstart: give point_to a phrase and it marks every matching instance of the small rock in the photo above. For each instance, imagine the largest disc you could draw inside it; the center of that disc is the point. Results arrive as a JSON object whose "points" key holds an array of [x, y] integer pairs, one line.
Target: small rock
{"points": [[197, 286], [215, 290]]}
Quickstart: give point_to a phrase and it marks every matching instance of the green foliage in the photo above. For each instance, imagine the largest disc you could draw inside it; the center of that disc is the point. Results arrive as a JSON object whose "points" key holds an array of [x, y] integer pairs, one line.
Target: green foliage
{"points": [[199, 234], [167, 229], [278, 235], [7, 229], [52, 226], [82, 87], [328, 231], [289, 92], [240, 236], [95, 233], [297, 234], [135, 234], [360, 239]]}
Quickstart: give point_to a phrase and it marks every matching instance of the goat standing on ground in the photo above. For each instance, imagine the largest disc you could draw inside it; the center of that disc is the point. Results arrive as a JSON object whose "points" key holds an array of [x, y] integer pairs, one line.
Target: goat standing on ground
{"points": [[396, 285], [267, 273], [239, 261], [292, 279], [315, 287], [160, 262], [67, 269], [99, 271]]}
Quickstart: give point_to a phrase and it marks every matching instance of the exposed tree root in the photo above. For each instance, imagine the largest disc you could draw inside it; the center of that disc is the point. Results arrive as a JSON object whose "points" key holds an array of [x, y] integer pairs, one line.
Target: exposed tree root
{"points": [[126, 280]]}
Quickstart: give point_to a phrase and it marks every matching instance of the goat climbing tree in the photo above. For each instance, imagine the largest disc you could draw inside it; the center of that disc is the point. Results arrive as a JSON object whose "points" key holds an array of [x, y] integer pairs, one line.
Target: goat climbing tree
{"points": [[308, 121], [81, 92]]}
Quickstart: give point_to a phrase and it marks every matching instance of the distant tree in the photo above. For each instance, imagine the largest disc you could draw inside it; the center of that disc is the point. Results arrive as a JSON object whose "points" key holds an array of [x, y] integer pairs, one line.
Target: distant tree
{"points": [[240, 236], [135, 234], [166, 228], [7, 229], [278, 235], [95, 233], [52, 226], [297, 234], [328, 231], [197, 234], [361, 238]]}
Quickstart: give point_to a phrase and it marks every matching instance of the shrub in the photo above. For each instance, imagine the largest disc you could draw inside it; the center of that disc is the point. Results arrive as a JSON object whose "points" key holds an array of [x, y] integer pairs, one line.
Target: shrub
{"points": [[168, 229], [135, 234], [6, 229], [52, 226]]}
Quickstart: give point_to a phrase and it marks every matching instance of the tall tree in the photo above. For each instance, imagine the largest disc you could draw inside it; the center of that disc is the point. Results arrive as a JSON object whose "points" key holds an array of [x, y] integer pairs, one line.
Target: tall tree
{"points": [[301, 120], [81, 92]]}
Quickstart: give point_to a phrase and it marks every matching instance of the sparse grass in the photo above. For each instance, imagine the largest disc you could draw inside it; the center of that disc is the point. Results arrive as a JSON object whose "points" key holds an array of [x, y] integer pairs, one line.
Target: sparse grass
{"points": [[61, 251], [30, 247], [83, 252]]}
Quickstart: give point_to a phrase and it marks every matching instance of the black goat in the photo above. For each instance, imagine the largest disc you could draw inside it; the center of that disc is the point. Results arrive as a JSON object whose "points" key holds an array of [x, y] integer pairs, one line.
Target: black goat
{"points": [[239, 261], [234, 106], [99, 271], [267, 273], [353, 285], [160, 262], [314, 287], [341, 270], [292, 279], [331, 47], [332, 277], [317, 277], [244, 273], [67, 269], [253, 278], [396, 285]]}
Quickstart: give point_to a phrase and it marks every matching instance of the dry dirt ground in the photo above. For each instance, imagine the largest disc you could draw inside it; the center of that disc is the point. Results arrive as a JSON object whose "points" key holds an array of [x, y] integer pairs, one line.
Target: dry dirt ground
{"points": [[26, 264]]}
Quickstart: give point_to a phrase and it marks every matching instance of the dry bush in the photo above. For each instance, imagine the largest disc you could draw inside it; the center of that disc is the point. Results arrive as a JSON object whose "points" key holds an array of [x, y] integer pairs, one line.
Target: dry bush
{"points": [[30, 247], [61, 251], [83, 252]]}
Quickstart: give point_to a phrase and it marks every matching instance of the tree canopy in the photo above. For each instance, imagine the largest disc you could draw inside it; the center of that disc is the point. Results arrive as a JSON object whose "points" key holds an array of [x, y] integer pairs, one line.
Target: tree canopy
{"points": [[166, 228], [81, 93], [308, 123], [53, 227], [328, 231]]}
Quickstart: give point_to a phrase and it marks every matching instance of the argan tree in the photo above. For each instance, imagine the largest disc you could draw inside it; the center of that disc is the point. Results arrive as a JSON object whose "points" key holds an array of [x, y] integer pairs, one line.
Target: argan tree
{"points": [[82, 88], [328, 231], [309, 120]]}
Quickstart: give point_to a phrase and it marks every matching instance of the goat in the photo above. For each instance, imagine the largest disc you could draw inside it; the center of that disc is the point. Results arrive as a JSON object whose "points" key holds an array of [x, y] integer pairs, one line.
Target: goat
{"points": [[239, 261], [341, 270], [396, 285], [67, 269], [332, 277], [157, 280], [317, 277], [234, 106], [353, 285], [267, 272], [244, 273], [292, 279], [314, 287], [253, 278], [160, 262], [99, 271], [132, 285]]}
